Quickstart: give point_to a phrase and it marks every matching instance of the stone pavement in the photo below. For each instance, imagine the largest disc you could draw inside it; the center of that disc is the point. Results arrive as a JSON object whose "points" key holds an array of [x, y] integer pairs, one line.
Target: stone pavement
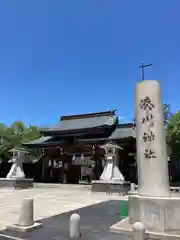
{"points": [[49, 200], [95, 222]]}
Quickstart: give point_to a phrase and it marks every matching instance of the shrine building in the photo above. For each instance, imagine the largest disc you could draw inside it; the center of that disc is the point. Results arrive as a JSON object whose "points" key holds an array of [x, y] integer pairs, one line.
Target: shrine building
{"points": [[70, 151]]}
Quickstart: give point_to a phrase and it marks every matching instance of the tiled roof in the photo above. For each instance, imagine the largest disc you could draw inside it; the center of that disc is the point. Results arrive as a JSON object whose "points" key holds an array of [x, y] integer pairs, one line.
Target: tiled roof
{"points": [[88, 121], [39, 141], [123, 131]]}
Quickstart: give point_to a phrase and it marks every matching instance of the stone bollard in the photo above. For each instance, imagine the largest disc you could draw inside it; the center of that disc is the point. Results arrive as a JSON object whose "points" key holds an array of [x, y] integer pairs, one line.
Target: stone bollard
{"points": [[133, 189], [74, 226], [138, 231], [26, 217]]}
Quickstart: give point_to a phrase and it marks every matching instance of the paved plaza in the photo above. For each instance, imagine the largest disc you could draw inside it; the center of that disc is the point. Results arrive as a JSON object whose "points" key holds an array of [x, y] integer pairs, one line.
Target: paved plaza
{"points": [[54, 203], [49, 200]]}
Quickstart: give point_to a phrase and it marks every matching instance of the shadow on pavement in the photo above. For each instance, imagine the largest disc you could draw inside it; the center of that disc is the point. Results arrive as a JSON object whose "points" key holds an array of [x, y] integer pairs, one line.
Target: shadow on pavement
{"points": [[95, 223]]}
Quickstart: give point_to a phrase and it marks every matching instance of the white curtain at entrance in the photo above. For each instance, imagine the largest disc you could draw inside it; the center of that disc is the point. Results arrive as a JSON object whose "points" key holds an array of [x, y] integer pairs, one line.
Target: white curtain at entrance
{"points": [[78, 159]]}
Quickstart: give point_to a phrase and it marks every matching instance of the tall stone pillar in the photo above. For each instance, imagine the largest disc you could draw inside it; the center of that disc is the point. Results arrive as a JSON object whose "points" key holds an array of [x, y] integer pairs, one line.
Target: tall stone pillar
{"points": [[153, 206], [152, 161]]}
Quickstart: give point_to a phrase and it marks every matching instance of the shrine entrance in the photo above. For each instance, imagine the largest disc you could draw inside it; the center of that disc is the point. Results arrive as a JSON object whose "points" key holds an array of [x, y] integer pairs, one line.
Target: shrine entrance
{"points": [[72, 167]]}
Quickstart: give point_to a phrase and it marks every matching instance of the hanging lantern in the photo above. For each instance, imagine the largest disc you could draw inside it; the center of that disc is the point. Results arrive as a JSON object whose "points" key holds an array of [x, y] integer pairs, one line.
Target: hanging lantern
{"points": [[49, 163], [54, 163], [93, 164], [60, 164]]}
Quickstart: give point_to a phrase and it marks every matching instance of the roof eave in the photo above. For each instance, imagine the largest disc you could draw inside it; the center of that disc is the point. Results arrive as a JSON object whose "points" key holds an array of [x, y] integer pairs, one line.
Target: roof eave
{"points": [[43, 145], [122, 139], [71, 131], [89, 115]]}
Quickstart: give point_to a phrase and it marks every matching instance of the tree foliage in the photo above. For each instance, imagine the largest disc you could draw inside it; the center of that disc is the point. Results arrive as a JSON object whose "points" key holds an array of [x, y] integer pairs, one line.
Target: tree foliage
{"points": [[173, 134], [15, 135], [167, 114], [172, 128]]}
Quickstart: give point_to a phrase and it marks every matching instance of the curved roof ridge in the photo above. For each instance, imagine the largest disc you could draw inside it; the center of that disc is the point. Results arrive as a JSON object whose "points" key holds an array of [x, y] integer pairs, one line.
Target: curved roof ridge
{"points": [[88, 115]]}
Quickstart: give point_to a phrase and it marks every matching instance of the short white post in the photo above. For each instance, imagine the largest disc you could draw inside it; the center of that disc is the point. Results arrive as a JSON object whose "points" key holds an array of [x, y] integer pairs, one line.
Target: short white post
{"points": [[138, 231], [74, 226], [133, 187], [26, 217]]}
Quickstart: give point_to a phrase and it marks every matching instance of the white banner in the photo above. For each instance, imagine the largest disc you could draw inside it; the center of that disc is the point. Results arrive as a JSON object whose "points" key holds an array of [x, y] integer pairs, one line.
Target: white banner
{"points": [[81, 160]]}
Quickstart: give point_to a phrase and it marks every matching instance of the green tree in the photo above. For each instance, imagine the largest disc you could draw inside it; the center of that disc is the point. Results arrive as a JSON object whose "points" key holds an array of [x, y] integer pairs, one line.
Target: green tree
{"points": [[4, 141], [15, 135], [173, 134], [31, 133], [167, 114]]}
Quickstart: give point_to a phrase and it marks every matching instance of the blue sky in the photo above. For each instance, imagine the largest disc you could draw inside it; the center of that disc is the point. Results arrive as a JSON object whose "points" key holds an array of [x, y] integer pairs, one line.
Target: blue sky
{"points": [[65, 57]]}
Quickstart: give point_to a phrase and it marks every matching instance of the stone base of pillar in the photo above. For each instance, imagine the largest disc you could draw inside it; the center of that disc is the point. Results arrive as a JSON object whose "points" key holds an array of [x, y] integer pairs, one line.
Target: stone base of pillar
{"points": [[16, 183], [156, 213], [133, 190], [124, 230], [111, 186], [17, 228], [160, 215]]}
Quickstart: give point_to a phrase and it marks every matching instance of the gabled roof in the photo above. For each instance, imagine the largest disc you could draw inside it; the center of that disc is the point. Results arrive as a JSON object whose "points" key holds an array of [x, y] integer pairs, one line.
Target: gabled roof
{"points": [[123, 131], [85, 121]]}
